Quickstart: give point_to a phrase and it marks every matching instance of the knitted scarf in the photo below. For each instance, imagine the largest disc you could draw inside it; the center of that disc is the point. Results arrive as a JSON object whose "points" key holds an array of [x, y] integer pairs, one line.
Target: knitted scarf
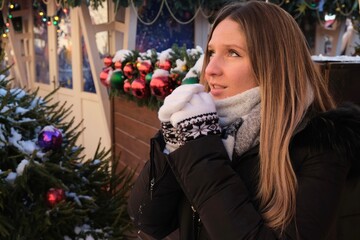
{"points": [[239, 117]]}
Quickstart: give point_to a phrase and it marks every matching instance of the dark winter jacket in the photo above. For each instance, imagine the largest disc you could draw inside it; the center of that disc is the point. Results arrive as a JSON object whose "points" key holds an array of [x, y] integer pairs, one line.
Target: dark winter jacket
{"points": [[198, 190]]}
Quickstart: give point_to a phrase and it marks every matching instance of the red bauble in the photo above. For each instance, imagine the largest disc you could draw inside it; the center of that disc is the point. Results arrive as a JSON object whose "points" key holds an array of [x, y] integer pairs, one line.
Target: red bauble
{"points": [[144, 68], [104, 76], [127, 86], [117, 65], [166, 65], [54, 196], [139, 89], [160, 87], [129, 70], [108, 61]]}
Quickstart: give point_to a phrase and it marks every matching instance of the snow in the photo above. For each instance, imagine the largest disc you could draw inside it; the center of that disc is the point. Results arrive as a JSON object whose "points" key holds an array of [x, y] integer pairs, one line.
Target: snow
{"points": [[19, 93], [24, 146], [49, 128], [179, 65], [10, 178], [4, 109], [2, 77], [21, 110], [28, 146], [20, 168], [147, 54], [77, 197], [160, 73], [15, 137], [121, 55], [85, 228], [96, 162], [2, 136], [196, 69], [36, 101], [321, 58], [195, 51], [26, 120], [3, 92], [164, 55]]}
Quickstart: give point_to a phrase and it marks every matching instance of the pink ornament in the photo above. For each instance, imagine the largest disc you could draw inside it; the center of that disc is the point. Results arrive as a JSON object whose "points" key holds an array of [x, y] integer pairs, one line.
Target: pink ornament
{"points": [[127, 86], [139, 89], [104, 76], [160, 86], [108, 61], [144, 68], [117, 65], [166, 65], [129, 71]]}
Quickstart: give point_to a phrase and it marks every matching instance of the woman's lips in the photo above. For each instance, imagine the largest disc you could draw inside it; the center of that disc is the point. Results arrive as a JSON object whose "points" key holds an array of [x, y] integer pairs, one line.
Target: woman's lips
{"points": [[216, 90]]}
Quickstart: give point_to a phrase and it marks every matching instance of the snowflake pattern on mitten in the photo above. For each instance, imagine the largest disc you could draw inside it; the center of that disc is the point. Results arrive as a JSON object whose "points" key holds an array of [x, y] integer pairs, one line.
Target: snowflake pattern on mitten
{"points": [[169, 133], [198, 126]]}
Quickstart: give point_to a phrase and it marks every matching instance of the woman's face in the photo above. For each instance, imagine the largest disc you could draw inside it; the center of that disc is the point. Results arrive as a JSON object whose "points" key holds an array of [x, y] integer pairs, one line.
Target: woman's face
{"points": [[229, 71]]}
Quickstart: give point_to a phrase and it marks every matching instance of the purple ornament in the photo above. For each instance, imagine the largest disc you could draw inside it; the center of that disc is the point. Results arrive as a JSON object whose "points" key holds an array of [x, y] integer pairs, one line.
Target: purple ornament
{"points": [[50, 138]]}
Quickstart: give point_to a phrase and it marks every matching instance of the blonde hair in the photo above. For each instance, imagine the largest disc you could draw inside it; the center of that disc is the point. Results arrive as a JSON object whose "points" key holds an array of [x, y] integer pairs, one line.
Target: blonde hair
{"points": [[288, 81]]}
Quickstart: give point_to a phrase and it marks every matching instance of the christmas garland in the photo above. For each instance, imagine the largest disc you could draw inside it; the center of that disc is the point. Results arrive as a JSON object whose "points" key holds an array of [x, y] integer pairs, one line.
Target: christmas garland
{"points": [[148, 77], [341, 8]]}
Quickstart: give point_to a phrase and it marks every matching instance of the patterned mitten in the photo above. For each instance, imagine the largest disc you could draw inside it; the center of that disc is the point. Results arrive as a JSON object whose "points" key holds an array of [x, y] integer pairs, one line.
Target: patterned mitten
{"points": [[170, 137], [177, 100], [197, 118], [173, 103]]}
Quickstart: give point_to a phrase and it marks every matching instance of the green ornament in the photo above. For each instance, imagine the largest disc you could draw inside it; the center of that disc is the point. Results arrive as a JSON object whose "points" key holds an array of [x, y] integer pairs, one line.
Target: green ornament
{"points": [[190, 80], [148, 77], [117, 79]]}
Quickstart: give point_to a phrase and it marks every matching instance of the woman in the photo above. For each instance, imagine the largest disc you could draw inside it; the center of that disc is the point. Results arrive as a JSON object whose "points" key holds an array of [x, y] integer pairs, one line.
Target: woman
{"points": [[264, 154]]}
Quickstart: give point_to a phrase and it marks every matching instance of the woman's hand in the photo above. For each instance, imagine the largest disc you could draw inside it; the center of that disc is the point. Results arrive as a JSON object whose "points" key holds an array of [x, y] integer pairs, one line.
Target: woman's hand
{"points": [[188, 113]]}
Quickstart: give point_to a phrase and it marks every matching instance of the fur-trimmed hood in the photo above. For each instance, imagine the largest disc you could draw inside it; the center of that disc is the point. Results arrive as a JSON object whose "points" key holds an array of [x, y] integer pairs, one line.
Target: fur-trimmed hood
{"points": [[337, 129]]}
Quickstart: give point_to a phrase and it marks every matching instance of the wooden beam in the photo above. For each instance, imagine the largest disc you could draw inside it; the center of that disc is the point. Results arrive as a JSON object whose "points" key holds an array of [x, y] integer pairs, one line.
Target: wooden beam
{"points": [[96, 64]]}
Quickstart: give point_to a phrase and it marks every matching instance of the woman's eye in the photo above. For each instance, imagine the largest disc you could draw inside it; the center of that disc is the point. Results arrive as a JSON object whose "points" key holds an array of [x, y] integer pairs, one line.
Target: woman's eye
{"points": [[233, 53], [211, 53]]}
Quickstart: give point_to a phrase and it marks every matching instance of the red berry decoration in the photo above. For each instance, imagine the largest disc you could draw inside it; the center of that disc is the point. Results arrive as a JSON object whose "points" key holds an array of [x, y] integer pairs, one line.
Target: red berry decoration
{"points": [[54, 196]]}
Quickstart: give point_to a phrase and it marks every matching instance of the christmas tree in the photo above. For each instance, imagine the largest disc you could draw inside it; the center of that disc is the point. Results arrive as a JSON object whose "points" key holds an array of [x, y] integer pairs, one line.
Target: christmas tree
{"points": [[48, 189]]}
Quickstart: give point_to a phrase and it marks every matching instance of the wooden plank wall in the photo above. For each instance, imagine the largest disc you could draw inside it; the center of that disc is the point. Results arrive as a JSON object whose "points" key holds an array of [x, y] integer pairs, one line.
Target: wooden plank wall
{"points": [[344, 81], [132, 128]]}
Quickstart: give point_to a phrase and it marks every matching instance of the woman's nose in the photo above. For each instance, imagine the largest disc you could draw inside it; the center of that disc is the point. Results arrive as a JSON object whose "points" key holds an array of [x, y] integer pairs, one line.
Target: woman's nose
{"points": [[213, 67]]}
